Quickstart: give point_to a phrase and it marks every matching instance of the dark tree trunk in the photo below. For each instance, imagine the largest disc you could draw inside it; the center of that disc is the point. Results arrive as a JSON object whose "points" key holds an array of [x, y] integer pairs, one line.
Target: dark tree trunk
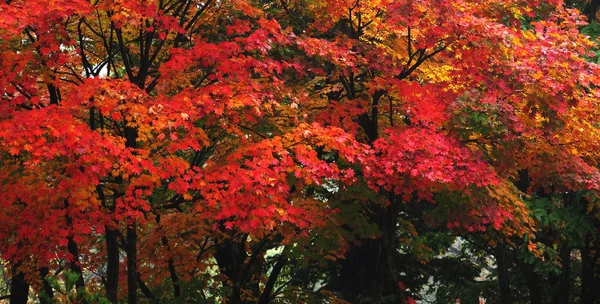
{"points": [[359, 271], [590, 276], [48, 293], [74, 265], [240, 268], [533, 279], [503, 276], [172, 270], [112, 265], [19, 288], [132, 279], [74, 251], [389, 244], [131, 135], [265, 297], [112, 249], [554, 282], [590, 10], [230, 257], [227, 266], [565, 282], [369, 271], [564, 290], [533, 284]]}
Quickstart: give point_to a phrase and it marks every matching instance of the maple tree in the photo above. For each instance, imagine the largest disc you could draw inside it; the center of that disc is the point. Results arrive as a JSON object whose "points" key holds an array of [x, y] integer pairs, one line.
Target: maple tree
{"points": [[288, 151]]}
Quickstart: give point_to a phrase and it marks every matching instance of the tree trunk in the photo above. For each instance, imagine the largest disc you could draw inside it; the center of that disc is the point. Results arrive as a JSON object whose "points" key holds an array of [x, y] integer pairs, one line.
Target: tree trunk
{"points": [[132, 279], [46, 294], [533, 284], [368, 272], [112, 265], [172, 270], [241, 269], [554, 283], [74, 265], [564, 290], [358, 271], [112, 249], [590, 10], [131, 135], [19, 288], [565, 283], [503, 276], [363, 274], [590, 276], [265, 297], [228, 256]]}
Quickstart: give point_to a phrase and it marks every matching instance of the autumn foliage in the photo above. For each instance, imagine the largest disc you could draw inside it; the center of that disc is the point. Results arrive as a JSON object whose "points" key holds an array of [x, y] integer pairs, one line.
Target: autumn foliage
{"points": [[290, 151]]}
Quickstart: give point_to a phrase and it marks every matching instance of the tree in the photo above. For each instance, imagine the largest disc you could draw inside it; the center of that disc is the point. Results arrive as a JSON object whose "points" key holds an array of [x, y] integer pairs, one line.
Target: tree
{"points": [[450, 76], [262, 151]]}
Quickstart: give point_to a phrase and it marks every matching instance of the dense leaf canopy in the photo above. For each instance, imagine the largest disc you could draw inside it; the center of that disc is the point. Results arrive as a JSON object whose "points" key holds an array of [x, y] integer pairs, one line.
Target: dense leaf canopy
{"points": [[298, 151]]}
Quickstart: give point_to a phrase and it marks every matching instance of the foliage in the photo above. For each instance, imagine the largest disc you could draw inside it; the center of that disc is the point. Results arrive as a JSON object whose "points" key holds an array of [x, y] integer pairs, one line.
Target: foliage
{"points": [[69, 293], [295, 151]]}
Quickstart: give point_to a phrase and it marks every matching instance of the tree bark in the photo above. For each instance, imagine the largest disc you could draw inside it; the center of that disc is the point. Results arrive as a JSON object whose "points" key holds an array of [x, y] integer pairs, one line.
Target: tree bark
{"points": [[362, 273], [74, 264], [112, 265], [265, 297], [564, 290], [503, 276], [240, 268], [132, 279], [131, 135], [533, 284], [590, 10], [565, 282], [19, 288], [46, 288], [172, 270], [358, 272], [590, 276], [230, 256]]}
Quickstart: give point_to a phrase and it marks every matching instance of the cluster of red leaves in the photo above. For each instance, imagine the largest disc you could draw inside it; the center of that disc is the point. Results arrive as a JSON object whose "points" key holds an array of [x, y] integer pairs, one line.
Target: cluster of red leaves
{"points": [[423, 161]]}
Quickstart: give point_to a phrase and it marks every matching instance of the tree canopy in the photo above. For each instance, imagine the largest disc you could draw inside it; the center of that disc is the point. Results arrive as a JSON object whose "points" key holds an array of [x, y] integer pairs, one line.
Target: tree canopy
{"points": [[299, 151]]}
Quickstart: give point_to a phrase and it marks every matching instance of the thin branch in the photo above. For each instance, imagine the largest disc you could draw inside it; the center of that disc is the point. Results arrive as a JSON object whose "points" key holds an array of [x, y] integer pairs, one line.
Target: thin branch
{"points": [[124, 55], [147, 292]]}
